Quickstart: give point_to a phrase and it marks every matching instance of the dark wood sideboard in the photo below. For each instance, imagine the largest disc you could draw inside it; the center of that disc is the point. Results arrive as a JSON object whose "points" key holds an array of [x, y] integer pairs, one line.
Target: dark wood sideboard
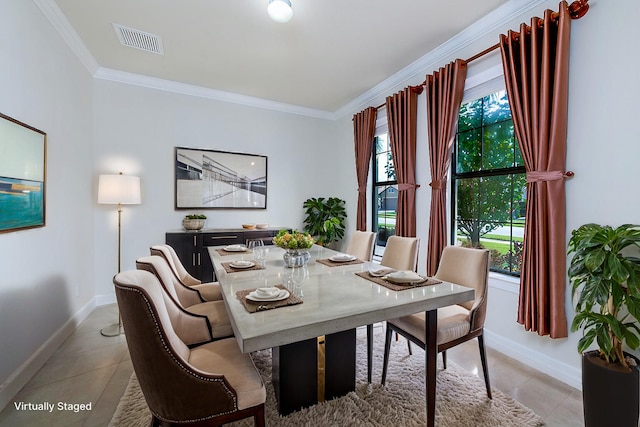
{"points": [[191, 246]]}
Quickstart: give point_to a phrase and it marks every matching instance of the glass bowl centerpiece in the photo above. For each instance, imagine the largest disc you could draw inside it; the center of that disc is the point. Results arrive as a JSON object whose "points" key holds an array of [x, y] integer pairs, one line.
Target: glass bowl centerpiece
{"points": [[296, 247]]}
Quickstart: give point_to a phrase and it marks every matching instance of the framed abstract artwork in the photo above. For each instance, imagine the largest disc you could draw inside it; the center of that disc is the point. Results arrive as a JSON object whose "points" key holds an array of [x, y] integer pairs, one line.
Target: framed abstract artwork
{"points": [[22, 175], [211, 179]]}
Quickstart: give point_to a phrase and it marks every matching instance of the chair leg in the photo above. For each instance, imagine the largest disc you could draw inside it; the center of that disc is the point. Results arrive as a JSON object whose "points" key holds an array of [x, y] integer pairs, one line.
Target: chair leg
{"points": [[444, 359], [258, 418], [369, 351], [387, 349], [409, 348], [485, 368]]}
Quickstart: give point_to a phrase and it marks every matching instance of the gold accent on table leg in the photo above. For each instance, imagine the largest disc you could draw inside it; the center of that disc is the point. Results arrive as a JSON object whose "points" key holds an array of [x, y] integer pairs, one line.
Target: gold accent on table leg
{"points": [[321, 368]]}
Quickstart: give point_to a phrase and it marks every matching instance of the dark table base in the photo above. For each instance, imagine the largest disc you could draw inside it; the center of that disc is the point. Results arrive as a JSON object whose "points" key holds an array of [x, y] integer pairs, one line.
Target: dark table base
{"points": [[295, 371]]}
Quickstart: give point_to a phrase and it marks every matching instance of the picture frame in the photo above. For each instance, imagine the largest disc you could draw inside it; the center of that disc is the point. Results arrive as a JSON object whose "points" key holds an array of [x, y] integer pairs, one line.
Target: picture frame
{"points": [[213, 179], [23, 151]]}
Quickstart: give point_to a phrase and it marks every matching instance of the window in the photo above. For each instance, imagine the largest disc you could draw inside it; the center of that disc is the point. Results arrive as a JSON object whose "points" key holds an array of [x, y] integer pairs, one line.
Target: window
{"points": [[489, 181], [385, 192]]}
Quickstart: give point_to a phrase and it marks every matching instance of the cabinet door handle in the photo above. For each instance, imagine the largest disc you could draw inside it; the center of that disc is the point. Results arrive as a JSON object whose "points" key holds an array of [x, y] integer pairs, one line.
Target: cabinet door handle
{"points": [[193, 259], [195, 241], [223, 237], [198, 258]]}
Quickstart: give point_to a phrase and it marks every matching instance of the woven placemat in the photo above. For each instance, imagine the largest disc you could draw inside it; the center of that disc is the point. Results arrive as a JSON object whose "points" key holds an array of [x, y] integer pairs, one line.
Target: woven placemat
{"points": [[328, 262], [397, 287], [254, 306], [225, 253], [229, 269]]}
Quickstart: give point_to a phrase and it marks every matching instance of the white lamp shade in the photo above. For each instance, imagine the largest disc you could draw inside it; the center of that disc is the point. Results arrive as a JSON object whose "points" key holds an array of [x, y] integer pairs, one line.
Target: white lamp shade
{"points": [[114, 189], [280, 10]]}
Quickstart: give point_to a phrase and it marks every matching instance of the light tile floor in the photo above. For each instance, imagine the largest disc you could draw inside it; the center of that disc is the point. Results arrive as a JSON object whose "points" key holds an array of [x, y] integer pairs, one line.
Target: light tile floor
{"points": [[91, 368]]}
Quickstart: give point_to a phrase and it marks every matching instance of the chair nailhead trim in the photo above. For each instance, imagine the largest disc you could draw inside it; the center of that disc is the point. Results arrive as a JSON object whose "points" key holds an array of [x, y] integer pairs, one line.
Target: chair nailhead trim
{"points": [[180, 364]]}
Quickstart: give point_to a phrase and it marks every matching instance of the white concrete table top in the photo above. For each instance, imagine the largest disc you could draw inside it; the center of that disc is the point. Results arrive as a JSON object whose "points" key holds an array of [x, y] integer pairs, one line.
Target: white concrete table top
{"points": [[335, 299]]}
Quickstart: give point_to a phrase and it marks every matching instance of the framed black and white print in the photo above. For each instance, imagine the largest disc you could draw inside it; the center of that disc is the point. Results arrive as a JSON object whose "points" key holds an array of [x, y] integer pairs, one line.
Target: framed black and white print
{"points": [[211, 179], [22, 175]]}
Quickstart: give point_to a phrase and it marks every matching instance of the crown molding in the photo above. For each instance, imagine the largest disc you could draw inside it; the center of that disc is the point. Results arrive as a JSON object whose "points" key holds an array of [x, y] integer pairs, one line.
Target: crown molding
{"points": [[61, 24], [436, 58], [414, 71], [202, 92]]}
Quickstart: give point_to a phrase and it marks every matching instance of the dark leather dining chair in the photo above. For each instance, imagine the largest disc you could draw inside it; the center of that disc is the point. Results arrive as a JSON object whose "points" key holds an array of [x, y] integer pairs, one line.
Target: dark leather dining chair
{"points": [[456, 323], [207, 385]]}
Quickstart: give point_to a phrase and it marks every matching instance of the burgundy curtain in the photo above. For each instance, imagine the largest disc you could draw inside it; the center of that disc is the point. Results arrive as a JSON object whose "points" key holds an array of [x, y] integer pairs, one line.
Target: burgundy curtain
{"points": [[364, 128], [402, 109], [444, 94], [536, 68]]}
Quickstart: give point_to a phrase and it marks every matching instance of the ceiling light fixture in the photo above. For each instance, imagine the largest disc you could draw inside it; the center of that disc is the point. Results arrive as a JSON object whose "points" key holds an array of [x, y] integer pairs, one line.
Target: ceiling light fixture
{"points": [[280, 10]]}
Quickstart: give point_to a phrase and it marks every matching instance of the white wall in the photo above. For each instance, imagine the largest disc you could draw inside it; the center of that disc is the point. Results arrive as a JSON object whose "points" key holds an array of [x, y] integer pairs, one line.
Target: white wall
{"points": [[136, 130], [46, 286], [602, 149], [52, 274]]}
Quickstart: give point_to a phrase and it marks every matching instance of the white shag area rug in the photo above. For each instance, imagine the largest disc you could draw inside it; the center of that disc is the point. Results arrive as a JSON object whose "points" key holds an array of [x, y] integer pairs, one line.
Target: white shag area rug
{"points": [[461, 397]]}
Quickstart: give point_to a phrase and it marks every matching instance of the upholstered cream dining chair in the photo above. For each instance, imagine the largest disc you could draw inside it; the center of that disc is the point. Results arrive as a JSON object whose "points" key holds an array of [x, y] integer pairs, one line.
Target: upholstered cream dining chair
{"points": [[361, 244], [208, 291], [457, 323], [206, 385], [187, 298], [401, 253]]}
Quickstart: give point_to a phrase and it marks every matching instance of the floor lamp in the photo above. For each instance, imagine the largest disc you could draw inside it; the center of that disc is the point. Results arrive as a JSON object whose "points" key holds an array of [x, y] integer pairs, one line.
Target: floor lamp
{"points": [[118, 190]]}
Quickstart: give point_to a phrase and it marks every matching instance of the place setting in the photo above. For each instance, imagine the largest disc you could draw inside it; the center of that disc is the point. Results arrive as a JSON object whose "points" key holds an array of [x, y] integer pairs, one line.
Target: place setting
{"points": [[397, 280], [241, 265], [340, 259], [267, 298], [232, 250]]}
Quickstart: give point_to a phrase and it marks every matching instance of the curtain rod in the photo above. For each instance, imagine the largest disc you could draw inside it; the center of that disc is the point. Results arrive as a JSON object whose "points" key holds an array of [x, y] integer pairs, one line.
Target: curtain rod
{"points": [[577, 10]]}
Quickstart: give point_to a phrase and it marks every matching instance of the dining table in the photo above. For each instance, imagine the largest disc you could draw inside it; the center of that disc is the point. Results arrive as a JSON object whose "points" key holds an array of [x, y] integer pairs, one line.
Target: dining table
{"points": [[325, 302]]}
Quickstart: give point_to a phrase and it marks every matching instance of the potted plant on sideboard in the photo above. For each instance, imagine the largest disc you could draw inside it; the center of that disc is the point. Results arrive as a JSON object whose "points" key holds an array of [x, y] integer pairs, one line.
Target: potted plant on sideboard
{"points": [[194, 222], [605, 278], [325, 219]]}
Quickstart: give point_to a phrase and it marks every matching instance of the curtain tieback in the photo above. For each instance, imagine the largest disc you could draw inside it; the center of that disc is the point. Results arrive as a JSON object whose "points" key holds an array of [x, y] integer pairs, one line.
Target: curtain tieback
{"points": [[405, 187], [540, 176], [362, 189], [438, 184]]}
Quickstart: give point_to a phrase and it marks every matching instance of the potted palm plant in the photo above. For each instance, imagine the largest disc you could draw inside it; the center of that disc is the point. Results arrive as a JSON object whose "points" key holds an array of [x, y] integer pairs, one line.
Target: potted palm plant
{"points": [[325, 219], [605, 278]]}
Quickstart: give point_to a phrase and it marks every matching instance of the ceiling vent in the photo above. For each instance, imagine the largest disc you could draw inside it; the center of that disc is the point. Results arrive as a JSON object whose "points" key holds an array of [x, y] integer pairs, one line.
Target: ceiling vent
{"points": [[139, 39]]}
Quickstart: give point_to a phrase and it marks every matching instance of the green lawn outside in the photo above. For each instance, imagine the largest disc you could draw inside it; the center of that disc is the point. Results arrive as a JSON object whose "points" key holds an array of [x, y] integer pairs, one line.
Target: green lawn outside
{"points": [[503, 248]]}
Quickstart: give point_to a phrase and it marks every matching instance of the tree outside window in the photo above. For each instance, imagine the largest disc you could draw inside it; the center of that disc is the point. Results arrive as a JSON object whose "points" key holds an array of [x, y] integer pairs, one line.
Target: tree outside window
{"points": [[489, 182]]}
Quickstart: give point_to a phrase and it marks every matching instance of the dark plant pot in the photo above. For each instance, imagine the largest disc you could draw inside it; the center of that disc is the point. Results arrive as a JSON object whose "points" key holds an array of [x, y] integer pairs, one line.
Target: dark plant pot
{"points": [[610, 394]]}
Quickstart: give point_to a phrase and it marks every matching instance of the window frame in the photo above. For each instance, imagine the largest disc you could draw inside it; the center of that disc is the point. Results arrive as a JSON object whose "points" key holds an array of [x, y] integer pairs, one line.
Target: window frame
{"points": [[375, 185], [490, 87]]}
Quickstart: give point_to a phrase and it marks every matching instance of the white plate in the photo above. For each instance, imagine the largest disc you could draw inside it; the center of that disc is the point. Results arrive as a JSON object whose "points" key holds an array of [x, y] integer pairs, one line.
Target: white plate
{"points": [[406, 277], [380, 272], [342, 258], [267, 292], [242, 264], [284, 294], [235, 248]]}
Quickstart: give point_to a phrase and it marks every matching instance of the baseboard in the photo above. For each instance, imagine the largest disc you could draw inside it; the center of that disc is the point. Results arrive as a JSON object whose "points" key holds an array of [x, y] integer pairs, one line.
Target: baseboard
{"points": [[30, 367], [568, 374], [104, 299]]}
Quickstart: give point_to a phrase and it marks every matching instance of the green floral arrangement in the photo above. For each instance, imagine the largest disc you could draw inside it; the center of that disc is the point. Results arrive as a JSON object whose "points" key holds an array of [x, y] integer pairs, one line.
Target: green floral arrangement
{"points": [[293, 240]]}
